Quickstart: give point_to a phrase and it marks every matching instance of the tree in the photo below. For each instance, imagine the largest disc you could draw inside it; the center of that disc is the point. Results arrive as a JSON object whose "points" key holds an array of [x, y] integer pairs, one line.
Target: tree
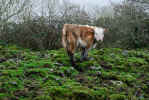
{"points": [[128, 27], [10, 8]]}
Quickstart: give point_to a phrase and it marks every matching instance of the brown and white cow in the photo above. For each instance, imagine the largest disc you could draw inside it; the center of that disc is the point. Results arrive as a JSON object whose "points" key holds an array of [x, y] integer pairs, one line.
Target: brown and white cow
{"points": [[80, 36]]}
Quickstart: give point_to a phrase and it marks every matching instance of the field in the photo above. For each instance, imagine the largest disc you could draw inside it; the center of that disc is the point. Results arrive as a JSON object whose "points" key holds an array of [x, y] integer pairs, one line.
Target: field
{"points": [[112, 74]]}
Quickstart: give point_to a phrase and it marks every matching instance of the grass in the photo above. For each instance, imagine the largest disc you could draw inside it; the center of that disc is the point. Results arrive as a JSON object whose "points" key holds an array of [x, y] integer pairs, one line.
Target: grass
{"points": [[112, 74]]}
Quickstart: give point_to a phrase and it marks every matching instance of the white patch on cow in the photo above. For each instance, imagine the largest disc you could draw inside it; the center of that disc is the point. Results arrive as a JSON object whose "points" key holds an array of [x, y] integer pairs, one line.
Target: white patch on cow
{"points": [[99, 33], [81, 43]]}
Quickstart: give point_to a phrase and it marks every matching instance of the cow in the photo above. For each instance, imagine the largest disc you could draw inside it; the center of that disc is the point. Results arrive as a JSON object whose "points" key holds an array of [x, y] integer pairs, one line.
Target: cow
{"points": [[80, 36]]}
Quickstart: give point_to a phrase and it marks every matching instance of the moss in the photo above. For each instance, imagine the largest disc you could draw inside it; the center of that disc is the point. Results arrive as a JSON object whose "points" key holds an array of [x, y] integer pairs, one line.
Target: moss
{"points": [[136, 61], [127, 77], [76, 93], [3, 96], [109, 75], [48, 75], [68, 71], [117, 97], [43, 97]]}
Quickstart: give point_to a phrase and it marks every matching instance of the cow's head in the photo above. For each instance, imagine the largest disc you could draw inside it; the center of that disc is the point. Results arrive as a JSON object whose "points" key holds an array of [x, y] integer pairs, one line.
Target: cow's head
{"points": [[99, 33]]}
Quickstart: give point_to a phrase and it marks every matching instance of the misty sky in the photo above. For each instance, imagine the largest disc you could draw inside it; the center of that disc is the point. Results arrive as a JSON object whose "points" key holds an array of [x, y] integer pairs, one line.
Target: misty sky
{"points": [[89, 4], [95, 2]]}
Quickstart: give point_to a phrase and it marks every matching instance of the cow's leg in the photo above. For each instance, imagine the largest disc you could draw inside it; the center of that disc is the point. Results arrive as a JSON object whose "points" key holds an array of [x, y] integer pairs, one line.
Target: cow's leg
{"points": [[84, 54], [71, 57], [71, 45]]}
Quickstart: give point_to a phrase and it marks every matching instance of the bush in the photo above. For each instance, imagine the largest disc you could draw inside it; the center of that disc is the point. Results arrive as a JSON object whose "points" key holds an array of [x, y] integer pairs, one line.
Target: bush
{"points": [[43, 32]]}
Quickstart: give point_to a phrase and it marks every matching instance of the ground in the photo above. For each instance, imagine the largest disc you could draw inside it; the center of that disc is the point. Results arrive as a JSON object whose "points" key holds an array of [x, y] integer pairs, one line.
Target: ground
{"points": [[112, 74]]}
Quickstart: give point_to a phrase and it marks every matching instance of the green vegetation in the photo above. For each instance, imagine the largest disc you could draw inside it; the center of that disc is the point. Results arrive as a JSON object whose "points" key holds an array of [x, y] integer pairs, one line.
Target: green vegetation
{"points": [[112, 74]]}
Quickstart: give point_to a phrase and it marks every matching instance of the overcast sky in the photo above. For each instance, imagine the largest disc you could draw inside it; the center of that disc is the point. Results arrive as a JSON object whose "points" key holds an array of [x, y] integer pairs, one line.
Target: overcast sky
{"points": [[95, 2], [89, 4]]}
